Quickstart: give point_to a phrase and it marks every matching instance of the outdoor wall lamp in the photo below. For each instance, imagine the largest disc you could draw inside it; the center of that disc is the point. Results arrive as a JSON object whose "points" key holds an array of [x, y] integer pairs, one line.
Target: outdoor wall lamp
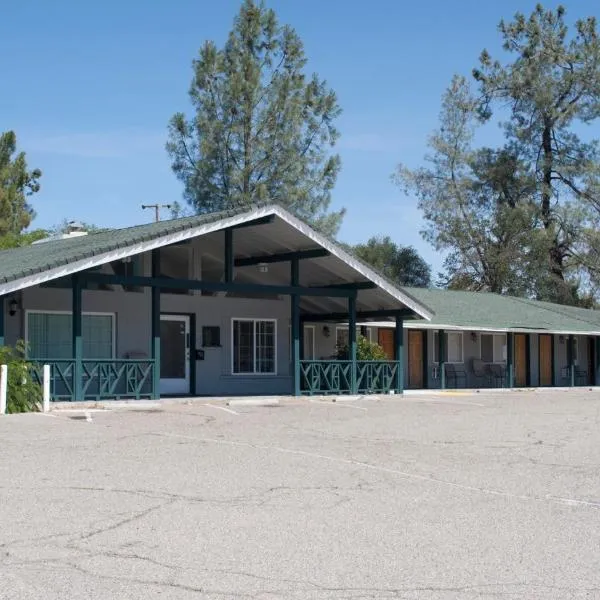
{"points": [[12, 307], [473, 336], [326, 331]]}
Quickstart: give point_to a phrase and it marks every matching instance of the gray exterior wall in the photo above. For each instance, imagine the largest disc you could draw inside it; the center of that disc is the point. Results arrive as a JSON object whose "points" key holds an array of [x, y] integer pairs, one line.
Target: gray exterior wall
{"points": [[132, 325]]}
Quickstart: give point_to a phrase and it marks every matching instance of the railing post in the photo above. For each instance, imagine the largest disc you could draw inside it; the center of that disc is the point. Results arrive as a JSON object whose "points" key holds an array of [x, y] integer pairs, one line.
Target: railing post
{"points": [[510, 367], [571, 360], [3, 388], [155, 326], [399, 340], [442, 357], [46, 388], [77, 342], [295, 278], [2, 309], [352, 342]]}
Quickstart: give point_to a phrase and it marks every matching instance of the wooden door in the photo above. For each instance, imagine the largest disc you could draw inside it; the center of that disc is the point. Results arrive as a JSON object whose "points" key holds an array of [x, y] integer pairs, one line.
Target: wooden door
{"points": [[545, 342], [591, 360], [520, 360], [415, 359], [385, 338]]}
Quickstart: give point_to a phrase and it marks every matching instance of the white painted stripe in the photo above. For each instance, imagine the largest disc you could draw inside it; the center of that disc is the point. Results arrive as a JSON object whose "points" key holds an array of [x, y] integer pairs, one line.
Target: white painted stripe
{"points": [[254, 402], [332, 403], [378, 468], [233, 412]]}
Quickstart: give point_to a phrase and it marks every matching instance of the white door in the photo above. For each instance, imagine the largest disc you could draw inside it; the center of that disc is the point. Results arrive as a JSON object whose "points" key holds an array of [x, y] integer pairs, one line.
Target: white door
{"points": [[174, 354]]}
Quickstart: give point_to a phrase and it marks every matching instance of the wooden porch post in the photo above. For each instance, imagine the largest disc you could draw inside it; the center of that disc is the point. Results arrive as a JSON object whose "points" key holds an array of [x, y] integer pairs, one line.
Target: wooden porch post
{"points": [[571, 360], [352, 342], [228, 259], [2, 309], [295, 277], [399, 342], [77, 342], [442, 357], [510, 367], [155, 326], [597, 361]]}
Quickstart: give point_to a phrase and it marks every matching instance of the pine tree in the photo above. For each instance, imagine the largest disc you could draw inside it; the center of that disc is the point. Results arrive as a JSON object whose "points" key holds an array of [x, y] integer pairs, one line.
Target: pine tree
{"points": [[17, 183], [262, 130]]}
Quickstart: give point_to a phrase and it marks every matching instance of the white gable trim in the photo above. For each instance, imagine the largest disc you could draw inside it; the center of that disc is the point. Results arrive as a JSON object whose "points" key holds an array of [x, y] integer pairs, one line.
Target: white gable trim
{"points": [[365, 271], [186, 234]]}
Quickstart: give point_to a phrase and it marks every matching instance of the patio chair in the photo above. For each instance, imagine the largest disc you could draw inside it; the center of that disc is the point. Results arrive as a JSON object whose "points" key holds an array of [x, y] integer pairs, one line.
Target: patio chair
{"points": [[454, 375], [581, 377], [497, 375], [480, 371]]}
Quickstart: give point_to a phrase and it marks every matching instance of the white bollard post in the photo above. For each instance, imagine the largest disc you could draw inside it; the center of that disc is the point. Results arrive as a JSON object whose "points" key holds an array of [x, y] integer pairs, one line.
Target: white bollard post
{"points": [[3, 388], [46, 389]]}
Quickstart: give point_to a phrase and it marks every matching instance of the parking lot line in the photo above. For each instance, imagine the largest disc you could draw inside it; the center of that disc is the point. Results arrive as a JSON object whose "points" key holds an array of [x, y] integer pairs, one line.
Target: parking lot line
{"points": [[338, 404], [233, 412]]}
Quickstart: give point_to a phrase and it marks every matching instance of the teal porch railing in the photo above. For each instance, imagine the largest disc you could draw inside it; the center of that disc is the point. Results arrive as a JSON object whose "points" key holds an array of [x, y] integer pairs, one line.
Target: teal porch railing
{"points": [[103, 379], [335, 376]]}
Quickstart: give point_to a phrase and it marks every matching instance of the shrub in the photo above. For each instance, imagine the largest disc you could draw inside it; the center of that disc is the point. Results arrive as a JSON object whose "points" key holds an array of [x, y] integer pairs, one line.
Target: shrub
{"points": [[365, 350], [24, 394]]}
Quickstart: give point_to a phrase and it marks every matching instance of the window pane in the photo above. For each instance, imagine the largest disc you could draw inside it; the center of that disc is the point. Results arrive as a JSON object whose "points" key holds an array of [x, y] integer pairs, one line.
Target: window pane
{"points": [[265, 347], [243, 347], [499, 348], [49, 335], [96, 331], [309, 343], [487, 348], [454, 347], [341, 337], [172, 350], [436, 358]]}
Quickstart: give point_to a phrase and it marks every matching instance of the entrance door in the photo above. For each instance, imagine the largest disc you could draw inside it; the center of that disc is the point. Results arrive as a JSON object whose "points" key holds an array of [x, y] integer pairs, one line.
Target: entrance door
{"points": [[385, 338], [520, 360], [174, 354], [591, 356], [415, 358], [545, 342]]}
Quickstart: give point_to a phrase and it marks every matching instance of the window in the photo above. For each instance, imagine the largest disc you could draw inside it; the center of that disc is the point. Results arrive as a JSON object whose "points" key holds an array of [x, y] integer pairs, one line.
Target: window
{"points": [[575, 351], [254, 346], [211, 336], [341, 336], [49, 335], [453, 346], [309, 342], [493, 347]]}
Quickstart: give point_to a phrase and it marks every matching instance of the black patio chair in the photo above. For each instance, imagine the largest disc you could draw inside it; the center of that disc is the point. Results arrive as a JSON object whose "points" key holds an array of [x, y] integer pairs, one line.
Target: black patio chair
{"points": [[497, 375], [454, 375]]}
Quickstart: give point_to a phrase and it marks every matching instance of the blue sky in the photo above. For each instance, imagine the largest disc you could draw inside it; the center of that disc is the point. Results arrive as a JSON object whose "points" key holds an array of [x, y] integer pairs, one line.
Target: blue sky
{"points": [[90, 86]]}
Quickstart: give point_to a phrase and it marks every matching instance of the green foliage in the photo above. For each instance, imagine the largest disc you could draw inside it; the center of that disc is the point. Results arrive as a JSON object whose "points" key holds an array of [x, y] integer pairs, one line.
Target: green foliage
{"points": [[401, 264], [23, 394], [17, 183], [365, 350], [262, 129], [512, 219], [12, 240]]}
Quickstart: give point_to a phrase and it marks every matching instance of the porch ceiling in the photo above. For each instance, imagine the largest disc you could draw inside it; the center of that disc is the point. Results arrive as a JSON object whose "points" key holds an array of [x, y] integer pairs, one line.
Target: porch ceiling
{"points": [[278, 232]]}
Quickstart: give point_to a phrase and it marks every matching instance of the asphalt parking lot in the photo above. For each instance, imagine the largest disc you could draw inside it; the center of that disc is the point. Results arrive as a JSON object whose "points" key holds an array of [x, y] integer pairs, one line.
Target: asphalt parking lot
{"points": [[429, 497]]}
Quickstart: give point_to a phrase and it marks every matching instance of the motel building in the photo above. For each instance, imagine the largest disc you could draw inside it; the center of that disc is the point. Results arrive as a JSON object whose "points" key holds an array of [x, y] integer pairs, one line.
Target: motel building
{"points": [[255, 302]]}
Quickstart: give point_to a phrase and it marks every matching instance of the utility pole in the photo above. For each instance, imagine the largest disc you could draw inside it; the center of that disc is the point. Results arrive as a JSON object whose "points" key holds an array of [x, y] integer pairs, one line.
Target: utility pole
{"points": [[156, 208]]}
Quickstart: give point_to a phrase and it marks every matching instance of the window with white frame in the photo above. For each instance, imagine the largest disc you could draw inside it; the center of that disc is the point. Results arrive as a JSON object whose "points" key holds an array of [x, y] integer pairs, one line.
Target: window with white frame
{"points": [[49, 335], [575, 351], [453, 346], [493, 347], [254, 346], [341, 336]]}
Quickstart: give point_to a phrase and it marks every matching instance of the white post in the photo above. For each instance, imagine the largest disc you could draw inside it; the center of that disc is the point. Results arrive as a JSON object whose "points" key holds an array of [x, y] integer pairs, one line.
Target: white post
{"points": [[46, 387], [3, 388]]}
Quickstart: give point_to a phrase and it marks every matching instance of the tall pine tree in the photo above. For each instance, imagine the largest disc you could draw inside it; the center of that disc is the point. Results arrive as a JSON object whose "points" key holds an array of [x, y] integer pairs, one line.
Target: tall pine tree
{"points": [[262, 129]]}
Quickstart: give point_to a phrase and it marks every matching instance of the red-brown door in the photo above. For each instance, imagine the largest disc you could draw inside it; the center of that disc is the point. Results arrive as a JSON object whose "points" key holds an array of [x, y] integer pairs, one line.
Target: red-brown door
{"points": [[385, 338], [545, 360], [415, 359]]}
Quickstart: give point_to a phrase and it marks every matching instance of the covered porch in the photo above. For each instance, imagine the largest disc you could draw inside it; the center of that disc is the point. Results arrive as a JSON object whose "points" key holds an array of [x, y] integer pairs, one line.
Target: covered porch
{"points": [[249, 279]]}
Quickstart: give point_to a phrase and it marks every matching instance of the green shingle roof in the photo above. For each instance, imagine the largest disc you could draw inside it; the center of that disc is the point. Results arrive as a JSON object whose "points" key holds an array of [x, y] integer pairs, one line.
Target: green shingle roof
{"points": [[29, 260], [482, 310]]}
